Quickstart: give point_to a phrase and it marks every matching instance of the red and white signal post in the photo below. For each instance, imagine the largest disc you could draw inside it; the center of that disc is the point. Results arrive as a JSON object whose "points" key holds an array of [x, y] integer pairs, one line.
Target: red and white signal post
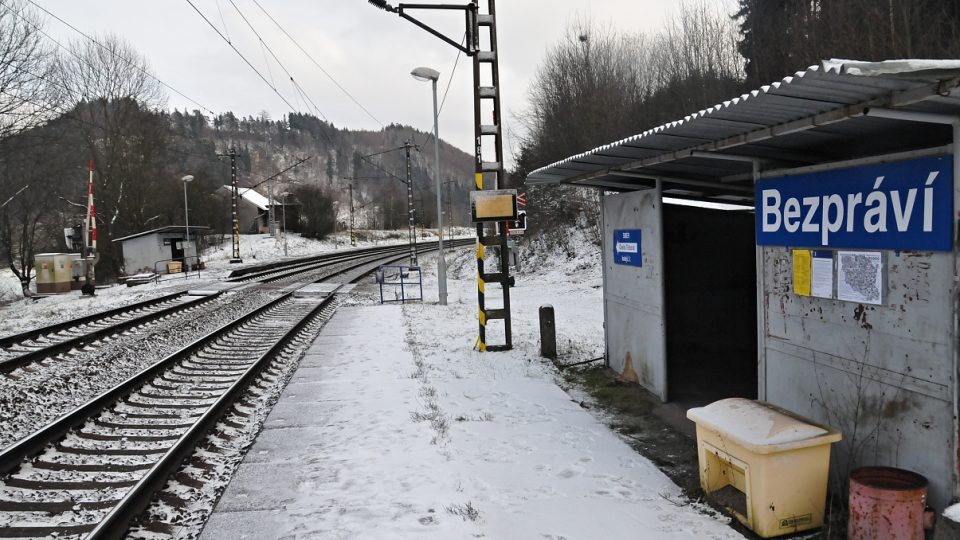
{"points": [[90, 255]]}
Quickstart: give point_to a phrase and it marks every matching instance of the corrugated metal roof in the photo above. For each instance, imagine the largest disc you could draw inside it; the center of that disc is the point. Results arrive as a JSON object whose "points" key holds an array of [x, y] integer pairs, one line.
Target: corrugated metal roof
{"points": [[816, 116], [169, 229]]}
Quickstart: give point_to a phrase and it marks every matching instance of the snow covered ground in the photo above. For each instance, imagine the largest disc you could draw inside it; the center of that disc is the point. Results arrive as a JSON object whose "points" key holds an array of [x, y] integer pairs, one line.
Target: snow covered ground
{"points": [[415, 434], [396, 427], [18, 314]]}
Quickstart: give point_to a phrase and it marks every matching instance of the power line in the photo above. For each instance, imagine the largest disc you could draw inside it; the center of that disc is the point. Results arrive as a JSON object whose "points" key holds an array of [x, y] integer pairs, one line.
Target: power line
{"points": [[112, 52], [244, 58], [263, 44], [452, 72], [332, 79], [222, 20]]}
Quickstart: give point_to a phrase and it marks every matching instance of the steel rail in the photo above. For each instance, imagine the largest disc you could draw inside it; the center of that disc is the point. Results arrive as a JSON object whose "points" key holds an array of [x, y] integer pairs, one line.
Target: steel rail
{"points": [[8, 341], [13, 456], [278, 273], [136, 500], [304, 261], [10, 364]]}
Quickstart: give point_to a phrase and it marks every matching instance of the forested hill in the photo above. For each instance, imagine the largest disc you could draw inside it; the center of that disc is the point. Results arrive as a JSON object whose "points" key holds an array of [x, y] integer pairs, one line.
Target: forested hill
{"points": [[372, 161], [140, 156]]}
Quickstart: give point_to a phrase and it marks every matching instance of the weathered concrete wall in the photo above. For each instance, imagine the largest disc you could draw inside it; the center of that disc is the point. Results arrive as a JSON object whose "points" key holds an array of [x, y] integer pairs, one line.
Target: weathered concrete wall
{"points": [[882, 374], [141, 253], [633, 296]]}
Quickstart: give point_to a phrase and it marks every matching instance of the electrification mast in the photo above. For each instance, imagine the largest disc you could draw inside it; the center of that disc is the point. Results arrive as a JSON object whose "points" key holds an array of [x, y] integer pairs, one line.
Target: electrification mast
{"points": [[486, 98]]}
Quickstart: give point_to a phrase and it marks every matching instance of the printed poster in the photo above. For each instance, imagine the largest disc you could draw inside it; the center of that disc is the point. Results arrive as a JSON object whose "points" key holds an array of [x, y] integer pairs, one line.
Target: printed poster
{"points": [[801, 272], [821, 280], [860, 276]]}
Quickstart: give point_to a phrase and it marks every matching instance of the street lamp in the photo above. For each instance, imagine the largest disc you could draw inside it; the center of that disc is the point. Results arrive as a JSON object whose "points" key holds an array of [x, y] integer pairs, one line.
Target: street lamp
{"points": [[186, 215], [428, 74], [284, 225]]}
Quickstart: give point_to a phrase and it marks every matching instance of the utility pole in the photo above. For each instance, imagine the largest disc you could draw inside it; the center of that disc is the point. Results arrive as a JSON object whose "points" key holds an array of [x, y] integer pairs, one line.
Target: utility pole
{"points": [[272, 211], [411, 230], [235, 195], [486, 89], [353, 239], [447, 184]]}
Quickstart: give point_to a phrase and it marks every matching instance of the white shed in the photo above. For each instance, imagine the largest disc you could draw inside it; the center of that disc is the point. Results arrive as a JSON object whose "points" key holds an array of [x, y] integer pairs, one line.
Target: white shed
{"points": [[149, 251]]}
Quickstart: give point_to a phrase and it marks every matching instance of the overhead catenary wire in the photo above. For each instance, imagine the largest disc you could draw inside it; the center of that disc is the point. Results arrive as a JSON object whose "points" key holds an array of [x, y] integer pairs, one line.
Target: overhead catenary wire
{"points": [[312, 59], [114, 53], [222, 20], [263, 44], [452, 73], [240, 54]]}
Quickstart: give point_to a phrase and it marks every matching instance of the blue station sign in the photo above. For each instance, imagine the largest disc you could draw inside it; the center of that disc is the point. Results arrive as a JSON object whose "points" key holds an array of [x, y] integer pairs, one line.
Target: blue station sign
{"points": [[626, 247], [904, 205]]}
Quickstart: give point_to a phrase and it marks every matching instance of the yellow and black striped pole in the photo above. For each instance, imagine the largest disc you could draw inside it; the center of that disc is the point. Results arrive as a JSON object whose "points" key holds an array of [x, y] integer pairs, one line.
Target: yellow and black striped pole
{"points": [[481, 285]]}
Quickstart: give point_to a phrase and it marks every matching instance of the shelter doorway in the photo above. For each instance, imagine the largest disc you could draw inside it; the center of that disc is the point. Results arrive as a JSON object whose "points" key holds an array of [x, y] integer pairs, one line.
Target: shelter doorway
{"points": [[710, 300], [176, 249]]}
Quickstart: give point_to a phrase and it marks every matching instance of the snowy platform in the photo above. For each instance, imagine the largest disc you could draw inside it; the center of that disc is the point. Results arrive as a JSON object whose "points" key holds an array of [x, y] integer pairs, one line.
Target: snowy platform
{"points": [[392, 430]]}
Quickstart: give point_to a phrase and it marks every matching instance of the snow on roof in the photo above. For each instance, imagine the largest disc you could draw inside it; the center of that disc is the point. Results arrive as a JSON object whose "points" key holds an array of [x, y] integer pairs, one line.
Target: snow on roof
{"points": [[909, 66], [163, 230], [822, 89], [252, 197]]}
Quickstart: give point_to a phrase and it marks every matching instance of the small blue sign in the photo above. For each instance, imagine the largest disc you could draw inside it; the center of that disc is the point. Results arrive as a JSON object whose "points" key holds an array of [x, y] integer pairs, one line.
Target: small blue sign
{"points": [[902, 205], [626, 247]]}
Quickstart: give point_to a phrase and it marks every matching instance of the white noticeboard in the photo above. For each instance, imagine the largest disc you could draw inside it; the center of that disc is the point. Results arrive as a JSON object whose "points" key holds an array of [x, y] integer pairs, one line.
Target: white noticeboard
{"points": [[860, 276]]}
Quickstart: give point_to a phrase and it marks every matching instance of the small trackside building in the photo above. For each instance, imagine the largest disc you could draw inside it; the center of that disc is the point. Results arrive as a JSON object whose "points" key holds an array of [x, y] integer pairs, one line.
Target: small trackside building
{"points": [[835, 294], [148, 251]]}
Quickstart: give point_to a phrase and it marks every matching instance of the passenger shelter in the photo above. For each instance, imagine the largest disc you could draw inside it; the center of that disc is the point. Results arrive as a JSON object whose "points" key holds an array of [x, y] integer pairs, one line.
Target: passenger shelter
{"points": [[835, 294], [149, 251]]}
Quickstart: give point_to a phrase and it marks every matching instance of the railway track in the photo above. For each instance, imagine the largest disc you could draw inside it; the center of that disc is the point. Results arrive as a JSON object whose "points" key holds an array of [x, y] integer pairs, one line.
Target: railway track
{"points": [[94, 469], [92, 481], [21, 349]]}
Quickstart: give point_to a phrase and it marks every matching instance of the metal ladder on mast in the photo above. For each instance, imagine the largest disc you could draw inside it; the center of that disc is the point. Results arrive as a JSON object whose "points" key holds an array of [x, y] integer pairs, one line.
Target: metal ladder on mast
{"points": [[493, 170]]}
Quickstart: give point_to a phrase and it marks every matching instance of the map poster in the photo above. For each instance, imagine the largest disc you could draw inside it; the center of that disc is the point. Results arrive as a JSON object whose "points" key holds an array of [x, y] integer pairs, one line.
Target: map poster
{"points": [[801, 272], [860, 276], [821, 281]]}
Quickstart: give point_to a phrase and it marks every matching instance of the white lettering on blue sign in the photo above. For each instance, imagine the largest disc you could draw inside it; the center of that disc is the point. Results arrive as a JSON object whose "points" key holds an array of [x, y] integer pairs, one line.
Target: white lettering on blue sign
{"points": [[626, 247], [903, 205]]}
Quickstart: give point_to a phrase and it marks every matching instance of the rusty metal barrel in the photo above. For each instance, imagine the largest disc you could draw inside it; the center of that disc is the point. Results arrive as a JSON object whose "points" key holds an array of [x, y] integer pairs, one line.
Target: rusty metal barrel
{"points": [[886, 502]]}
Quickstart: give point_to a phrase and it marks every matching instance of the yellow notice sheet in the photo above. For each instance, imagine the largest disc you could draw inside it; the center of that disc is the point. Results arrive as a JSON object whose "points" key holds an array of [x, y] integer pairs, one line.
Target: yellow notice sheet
{"points": [[801, 272]]}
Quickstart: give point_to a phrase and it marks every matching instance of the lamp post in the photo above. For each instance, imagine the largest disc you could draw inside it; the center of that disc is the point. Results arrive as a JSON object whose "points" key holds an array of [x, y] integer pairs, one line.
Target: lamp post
{"points": [[428, 74], [284, 224], [186, 216]]}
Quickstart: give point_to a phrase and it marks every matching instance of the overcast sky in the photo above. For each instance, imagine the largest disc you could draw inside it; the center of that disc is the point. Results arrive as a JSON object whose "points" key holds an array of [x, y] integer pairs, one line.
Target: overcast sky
{"points": [[367, 51]]}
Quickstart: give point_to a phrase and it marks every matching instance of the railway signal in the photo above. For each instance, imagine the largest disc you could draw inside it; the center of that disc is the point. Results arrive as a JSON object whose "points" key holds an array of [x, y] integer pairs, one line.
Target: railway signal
{"points": [[90, 254]]}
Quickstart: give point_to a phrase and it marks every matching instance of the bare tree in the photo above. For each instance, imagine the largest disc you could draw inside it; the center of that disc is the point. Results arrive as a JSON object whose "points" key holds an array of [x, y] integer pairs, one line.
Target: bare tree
{"points": [[115, 99], [26, 101], [24, 69], [598, 85]]}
